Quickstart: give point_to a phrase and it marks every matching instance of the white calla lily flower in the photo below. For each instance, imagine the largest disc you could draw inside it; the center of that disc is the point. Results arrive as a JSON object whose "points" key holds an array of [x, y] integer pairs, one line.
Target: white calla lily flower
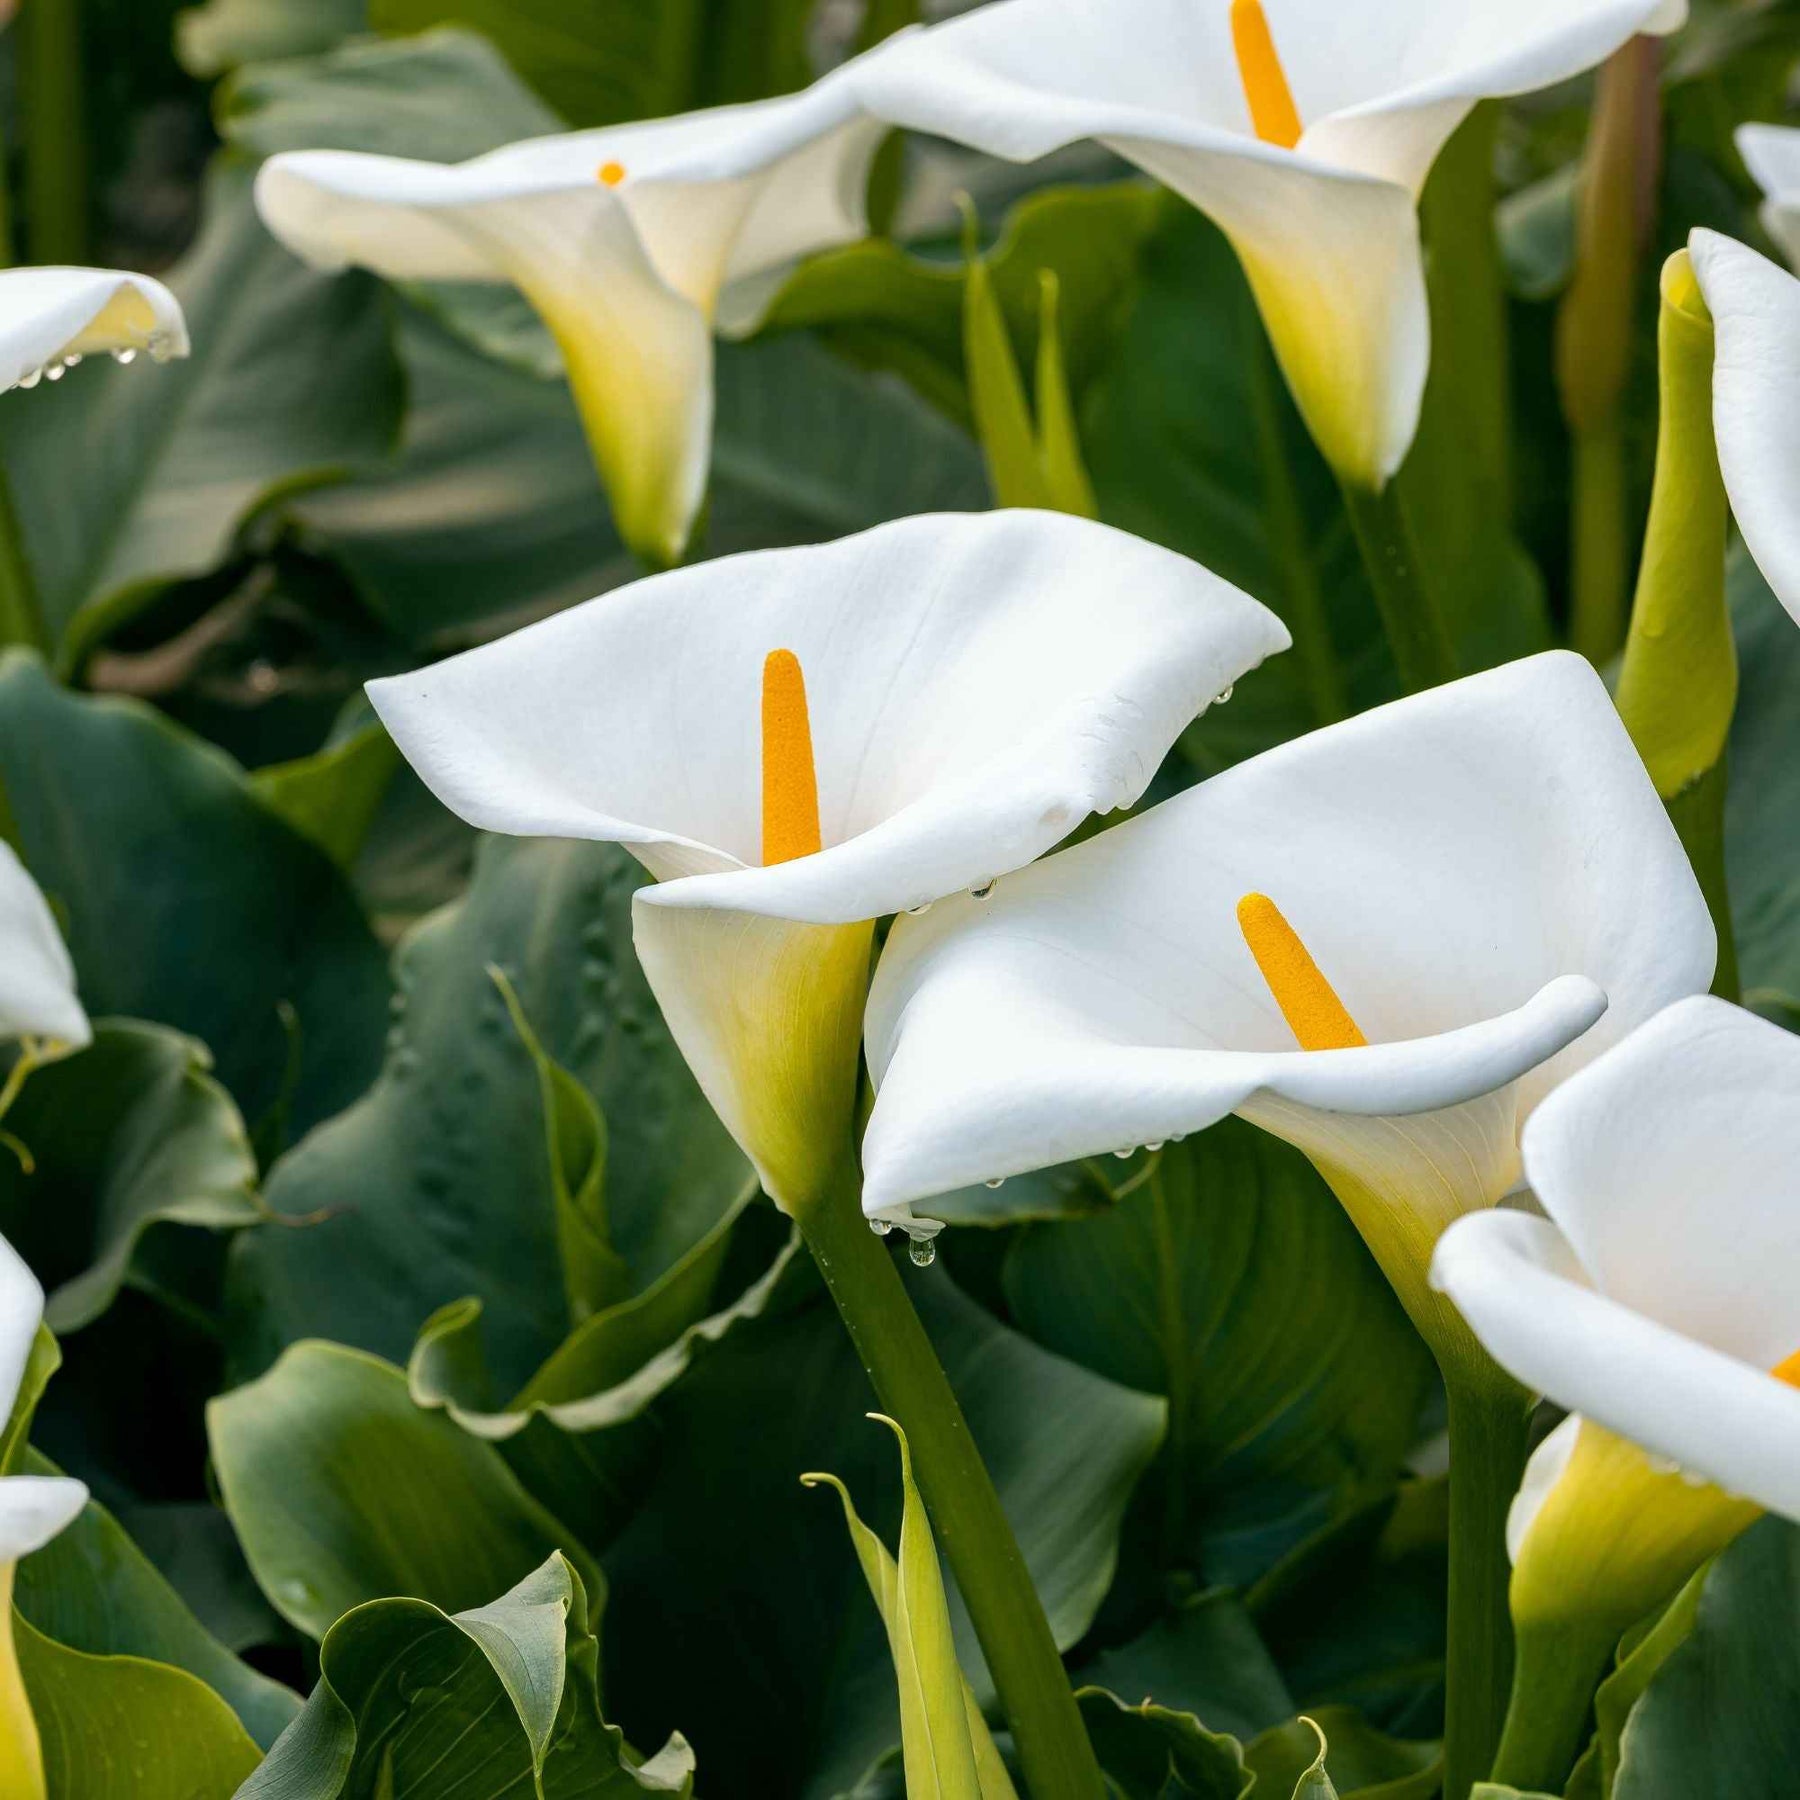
{"points": [[51, 317], [1491, 890], [37, 979], [1306, 135], [632, 242], [33, 1510], [798, 742], [1755, 308], [1657, 1300]]}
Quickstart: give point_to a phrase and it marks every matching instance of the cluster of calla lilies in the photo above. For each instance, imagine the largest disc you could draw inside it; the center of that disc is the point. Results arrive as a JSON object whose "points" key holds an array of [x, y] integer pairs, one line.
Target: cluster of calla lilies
{"points": [[1453, 949]]}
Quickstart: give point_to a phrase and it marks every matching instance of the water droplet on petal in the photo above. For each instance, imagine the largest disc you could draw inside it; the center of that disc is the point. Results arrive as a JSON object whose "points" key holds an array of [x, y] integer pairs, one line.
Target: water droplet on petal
{"points": [[918, 912], [1223, 697], [983, 889], [125, 354], [923, 1252], [73, 358], [1153, 1148], [31, 378], [998, 1181], [881, 1227], [55, 372], [1127, 1151]]}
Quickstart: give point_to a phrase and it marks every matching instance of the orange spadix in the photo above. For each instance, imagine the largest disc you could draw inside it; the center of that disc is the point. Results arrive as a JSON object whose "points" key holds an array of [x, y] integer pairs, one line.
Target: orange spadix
{"points": [[790, 784], [1315, 1015]]}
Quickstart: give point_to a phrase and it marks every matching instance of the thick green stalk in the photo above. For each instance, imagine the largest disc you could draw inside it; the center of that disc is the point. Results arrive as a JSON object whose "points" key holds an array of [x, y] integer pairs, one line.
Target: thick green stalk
{"points": [[1416, 632], [1488, 1416], [965, 1510], [21, 620], [54, 133], [1303, 603], [1553, 1692], [1593, 330], [1678, 686]]}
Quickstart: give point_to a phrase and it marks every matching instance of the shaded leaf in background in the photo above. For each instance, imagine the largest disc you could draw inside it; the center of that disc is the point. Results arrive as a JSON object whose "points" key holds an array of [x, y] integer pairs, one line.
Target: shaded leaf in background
{"points": [[221, 34], [1334, 1751], [122, 1728], [343, 1491], [127, 479], [1232, 1283], [1721, 1720], [1355, 1616], [92, 1589], [185, 900], [1762, 845], [129, 1134], [333, 796], [498, 1700], [1152, 1753], [436, 1186], [734, 1601]]}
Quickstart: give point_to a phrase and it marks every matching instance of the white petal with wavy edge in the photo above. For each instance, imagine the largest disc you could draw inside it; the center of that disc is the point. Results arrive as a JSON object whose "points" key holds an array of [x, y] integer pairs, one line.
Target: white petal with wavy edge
{"points": [[1523, 1291], [1756, 400], [1670, 1166], [1772, 155], [628, 275], [37, 979], [978, 683], [21, 1309], [33, 1508], [1326, 231], [1475, 906], [49, 314]]}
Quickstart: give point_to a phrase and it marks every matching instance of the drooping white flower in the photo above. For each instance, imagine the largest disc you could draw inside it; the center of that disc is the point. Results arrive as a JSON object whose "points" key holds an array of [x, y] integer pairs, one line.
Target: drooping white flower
{"points": [[1306, 135], [1481, 872], [50, 317], [632, 242], [37, 979], [1657, 1302], [1756, 399], [799, 742]]}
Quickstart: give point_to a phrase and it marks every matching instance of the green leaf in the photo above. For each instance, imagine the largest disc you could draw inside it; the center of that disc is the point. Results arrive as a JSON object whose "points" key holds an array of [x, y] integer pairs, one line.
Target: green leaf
{"points": [[903, 310], [343, 1491], [221, 34], [1762, 849], [782, 1393], [437, 1184], [125, 480], [130, 1134], [1336, 1751], [1151, 1753], [595, 1276], [122, 1728], [92, 1589], [1203, 1657], [1355, 1616], [948, 1750], [497, 1700], [1232, 1283], [185, 900], [1721, 1719], [602, 61], [332, 797]]}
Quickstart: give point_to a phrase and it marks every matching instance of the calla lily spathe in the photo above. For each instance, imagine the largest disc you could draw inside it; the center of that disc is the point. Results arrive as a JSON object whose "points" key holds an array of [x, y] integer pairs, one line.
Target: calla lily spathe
{"points": [[50, 317], [1483, 873], [33, 1509], [977, 684], [1755, 308], [632, 242], [37, 979], [1327, 230], [1654, 1302]]}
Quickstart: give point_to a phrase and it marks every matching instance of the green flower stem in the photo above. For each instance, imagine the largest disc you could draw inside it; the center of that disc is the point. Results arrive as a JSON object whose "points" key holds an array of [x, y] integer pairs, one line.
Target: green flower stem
{"points": [[1488, 1417], [54, 132], [1600, 553], [21, 620], [1416, 632], [1593, 331], [1678, 686], [1304, 609], [1557, 1672], [965, 1510]]}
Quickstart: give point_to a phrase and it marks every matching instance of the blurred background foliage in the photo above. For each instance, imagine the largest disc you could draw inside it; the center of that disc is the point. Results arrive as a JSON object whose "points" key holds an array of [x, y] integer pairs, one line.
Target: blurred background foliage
{"points": [[298, 1208]]}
